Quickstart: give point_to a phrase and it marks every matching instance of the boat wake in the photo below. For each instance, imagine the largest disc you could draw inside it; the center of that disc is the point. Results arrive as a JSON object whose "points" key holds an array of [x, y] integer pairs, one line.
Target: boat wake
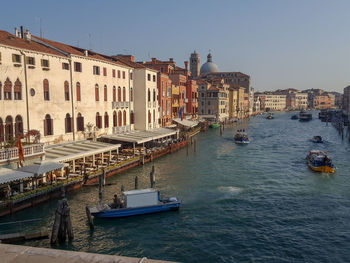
{"points": [[230, 189]]}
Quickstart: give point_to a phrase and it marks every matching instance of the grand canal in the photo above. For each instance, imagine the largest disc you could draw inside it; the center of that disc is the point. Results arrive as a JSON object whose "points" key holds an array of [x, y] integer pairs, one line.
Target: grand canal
{"points": [[251, 203]]}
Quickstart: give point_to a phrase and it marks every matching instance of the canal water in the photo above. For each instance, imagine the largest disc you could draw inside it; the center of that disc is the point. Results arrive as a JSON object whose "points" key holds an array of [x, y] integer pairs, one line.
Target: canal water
{"points": [[241, 203]]}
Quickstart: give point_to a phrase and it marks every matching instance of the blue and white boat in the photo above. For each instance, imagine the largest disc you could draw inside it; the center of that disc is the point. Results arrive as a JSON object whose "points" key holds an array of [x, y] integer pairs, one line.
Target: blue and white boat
{"points": [[136, 202]]}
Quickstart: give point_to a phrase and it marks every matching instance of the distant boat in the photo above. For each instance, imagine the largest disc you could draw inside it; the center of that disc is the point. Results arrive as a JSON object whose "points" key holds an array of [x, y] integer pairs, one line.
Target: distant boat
{"points": [[294, 117], [241, 137], [136, 202], [269, 116], [317, 139], [304, 116], [318, 161], [214, 125]]}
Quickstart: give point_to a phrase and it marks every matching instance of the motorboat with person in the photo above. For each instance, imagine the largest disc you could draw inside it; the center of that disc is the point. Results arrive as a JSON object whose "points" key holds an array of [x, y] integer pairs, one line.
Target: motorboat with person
{"points": [[241, 137], [269, 116], [319, 161], [135, 202], [317, 139]]}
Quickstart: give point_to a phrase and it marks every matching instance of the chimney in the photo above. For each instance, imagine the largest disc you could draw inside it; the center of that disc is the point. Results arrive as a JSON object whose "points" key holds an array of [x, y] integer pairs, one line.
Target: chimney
{"points": [[154, 60], [16, 32], [22, 32], [186, 65], [86, 53], [27, 35], [171, 60]]}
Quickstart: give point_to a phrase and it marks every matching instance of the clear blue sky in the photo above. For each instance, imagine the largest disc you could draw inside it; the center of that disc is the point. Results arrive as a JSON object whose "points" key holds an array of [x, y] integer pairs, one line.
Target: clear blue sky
{"points": [[280, 44]]}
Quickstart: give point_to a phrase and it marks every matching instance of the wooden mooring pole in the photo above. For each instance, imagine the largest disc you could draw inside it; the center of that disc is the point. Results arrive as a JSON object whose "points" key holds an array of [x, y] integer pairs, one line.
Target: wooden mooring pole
{"points": [[62, 225]]}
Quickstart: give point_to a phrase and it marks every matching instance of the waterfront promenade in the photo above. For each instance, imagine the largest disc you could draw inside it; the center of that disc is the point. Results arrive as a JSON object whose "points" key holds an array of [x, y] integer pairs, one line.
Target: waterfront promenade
{"points": [[258, 201]]}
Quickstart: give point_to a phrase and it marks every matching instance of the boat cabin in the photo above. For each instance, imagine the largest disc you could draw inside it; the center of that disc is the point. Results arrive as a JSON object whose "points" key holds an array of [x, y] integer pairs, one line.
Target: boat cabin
{"points": [[141, 197]]}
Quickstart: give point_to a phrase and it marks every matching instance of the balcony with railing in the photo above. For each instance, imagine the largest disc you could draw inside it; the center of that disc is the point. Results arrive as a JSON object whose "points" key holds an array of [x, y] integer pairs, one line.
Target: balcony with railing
{"points": [[11, 154]]}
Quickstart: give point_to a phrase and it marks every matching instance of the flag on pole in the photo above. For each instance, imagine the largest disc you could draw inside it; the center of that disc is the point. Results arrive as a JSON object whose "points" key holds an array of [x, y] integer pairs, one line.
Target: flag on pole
{"points": [[20, 151]]}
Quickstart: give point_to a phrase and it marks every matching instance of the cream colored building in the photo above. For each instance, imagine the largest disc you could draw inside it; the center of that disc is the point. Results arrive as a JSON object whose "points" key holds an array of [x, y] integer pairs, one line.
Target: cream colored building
{"points": [[275, 102], [301, 100], [64, 92], [213, 100], [146, 94]]}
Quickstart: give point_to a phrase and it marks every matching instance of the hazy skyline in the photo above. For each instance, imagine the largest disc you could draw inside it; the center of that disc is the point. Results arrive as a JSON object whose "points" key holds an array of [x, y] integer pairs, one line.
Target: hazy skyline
{"points": [[280, 44]]}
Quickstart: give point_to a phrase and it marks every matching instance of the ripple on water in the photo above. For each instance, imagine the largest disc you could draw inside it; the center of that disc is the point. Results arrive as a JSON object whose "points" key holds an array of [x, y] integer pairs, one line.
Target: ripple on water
{"points": [[251, 203]]}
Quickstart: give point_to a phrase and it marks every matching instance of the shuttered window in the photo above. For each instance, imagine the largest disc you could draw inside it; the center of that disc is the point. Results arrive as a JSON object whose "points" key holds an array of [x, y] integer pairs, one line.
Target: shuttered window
{"points": [[97, 93], [78, 91], [8, 89], [80, 122], [18, 90], [66, 90], [105, 93], [46, 89]]}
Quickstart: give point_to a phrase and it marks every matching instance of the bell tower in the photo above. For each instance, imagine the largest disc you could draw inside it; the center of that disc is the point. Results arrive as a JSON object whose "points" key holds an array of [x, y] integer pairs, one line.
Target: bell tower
{"points": [[195, 62]]}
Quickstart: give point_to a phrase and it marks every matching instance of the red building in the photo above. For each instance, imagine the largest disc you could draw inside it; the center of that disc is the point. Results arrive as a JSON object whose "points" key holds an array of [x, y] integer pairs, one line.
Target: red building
{"points": [[164, 96], [181, 77], [192, 96]]}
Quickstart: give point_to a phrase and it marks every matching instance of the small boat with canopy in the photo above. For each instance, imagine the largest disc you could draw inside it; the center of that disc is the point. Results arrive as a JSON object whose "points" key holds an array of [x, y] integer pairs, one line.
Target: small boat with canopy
{"points": [[318, 161], [241, 137]]}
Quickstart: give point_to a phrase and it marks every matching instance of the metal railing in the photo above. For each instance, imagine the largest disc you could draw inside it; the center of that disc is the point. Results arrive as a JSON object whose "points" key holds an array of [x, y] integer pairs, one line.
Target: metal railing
{"points": [[11, 154]]}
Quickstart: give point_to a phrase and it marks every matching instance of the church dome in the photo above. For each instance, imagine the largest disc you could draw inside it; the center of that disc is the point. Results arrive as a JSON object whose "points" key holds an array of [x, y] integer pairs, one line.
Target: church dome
{"points": [[209, 66]]}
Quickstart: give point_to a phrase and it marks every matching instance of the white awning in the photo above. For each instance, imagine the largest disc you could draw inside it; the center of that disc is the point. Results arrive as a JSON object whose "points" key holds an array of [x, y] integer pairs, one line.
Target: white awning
{"points": [[9, 175], [41, 168], [139, 137], [186, 123], [77, 150]]}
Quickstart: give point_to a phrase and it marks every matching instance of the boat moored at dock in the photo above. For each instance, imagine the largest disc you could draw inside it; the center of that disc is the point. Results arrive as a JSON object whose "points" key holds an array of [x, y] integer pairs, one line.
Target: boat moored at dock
{"points": [[136, 202], [318, 161]]}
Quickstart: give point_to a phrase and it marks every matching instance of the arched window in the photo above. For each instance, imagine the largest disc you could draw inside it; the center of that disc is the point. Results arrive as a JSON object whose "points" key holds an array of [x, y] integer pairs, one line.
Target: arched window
{"points": [[97, 93], [78, 91], [66, 90], [0, 90], [131, 95], [106, 120], [46, 89], [114, 119], [124, 95], [68, 123], [48, 125], [8, 128], [105, 93], [119, 118], [124, 118], [154, 95], [8, 89], [149, 95], [98, 120], [18, 125], [18, 90], [149, 116], [154, 116], [80, 122], [132, 117], [114, 94], [119, 94]]}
